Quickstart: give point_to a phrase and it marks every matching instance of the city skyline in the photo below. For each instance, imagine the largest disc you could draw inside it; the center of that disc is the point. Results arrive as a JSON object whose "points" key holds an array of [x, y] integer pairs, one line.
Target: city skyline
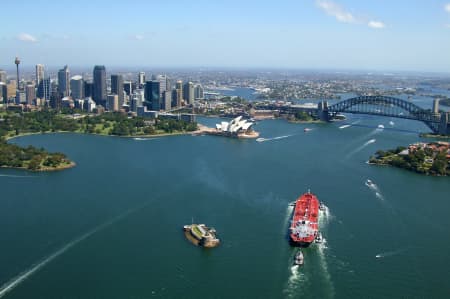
{"points": [[309, 34]]}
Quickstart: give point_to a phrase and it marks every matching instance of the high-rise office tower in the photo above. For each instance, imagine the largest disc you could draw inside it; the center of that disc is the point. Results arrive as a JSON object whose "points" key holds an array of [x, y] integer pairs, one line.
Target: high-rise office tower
{"points": [[3, 76], [17, 62], [198, 92], [39, 73], [179, 90], [63, 81], [30, 94], [152, 95], [113, 102], [88, 89], [99, 94], [167, 100], [141, 79], [3, 92], [128, 87], [117, 87], [55, 98], [44, 89], [188, 92], [77, 87], [39, 79], [436, 106]]}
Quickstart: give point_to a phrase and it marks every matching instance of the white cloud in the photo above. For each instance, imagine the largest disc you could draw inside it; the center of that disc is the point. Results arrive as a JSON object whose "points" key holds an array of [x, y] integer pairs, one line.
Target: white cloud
{"points": [[447, 7], [138, 37], [376, 24], [342, 15], [25, 37], [336, 11]]}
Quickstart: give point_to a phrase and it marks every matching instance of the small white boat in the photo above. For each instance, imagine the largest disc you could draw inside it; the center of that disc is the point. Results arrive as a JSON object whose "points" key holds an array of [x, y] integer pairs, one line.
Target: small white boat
{"points": [[298, 260], [319, 238], [306, 129], [380, 127], [322, 206], [369, 183]]}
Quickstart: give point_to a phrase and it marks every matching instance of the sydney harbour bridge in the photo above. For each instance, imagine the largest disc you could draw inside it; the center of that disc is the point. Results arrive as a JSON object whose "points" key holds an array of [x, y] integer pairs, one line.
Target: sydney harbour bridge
{"points": [[438, 122]]}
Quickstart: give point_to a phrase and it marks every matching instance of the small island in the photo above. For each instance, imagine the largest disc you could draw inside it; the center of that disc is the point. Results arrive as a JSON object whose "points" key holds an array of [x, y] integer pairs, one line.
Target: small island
{"points": [[425, 158], [201, 235]]}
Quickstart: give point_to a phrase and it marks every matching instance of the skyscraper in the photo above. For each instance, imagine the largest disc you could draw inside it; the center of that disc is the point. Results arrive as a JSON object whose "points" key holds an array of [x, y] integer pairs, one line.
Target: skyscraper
{"points": [[44, 88], [113, 102], [88, 89], [198, 92], [63, 81], [128, 87], [179, 90], [30, 92], [3, 92], [152, 95], [188, 92], [99, 84], [167, 100], [117, 87], [39, 73], [3, 76], [77, 87], [141, 79]]}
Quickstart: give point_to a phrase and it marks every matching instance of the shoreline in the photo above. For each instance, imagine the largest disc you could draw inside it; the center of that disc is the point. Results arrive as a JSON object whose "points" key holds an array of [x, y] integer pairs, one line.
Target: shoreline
{"points": [[44, 169], [95, 134]]}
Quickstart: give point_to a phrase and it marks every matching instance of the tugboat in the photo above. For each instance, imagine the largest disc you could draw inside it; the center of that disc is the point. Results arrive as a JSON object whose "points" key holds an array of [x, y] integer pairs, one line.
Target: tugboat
{"points": [[322, 206], [318, 239], [298, 260]]}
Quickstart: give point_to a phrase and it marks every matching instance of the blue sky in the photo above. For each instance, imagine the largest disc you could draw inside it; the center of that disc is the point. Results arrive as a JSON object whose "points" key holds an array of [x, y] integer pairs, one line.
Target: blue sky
{"points": [[305, 34]]}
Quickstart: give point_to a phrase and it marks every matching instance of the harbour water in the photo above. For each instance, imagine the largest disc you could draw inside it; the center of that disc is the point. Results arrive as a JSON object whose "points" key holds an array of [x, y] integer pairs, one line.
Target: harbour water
{"points": [[112, 226]]}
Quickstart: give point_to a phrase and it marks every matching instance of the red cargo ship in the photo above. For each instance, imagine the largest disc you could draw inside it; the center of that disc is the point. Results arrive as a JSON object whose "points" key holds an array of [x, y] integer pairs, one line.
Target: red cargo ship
{"points": [[304, 226]]}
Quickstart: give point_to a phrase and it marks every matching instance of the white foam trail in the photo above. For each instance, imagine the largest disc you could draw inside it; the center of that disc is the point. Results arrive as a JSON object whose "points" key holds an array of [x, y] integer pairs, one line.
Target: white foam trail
{"points": [[13, 283], [379, 195], [391, 123], [390, 253], [16, 176], [296, 279], [144, 139], [344, 126], [358, 149], [274, 138]]}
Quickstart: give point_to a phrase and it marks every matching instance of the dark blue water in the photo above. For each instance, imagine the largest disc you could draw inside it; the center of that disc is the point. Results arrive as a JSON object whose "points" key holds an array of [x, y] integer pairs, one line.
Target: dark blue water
{"points": [[118, 217]]}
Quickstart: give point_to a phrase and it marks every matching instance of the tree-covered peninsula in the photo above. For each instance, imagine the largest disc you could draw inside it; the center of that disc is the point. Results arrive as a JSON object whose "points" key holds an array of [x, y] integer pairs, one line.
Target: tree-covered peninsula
{"points": [[424, 158], [13, 124]]}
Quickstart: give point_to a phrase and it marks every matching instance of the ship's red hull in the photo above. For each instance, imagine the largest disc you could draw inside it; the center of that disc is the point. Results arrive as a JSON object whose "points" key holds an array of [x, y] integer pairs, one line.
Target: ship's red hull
{"points": [[304, 224]]}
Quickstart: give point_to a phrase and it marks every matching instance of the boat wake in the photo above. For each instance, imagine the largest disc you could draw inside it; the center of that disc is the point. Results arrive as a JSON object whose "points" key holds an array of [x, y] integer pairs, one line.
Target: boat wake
{"points": [[390, 253], [271, 139], [17, 176], [296, 283], [344, 127], [13, 283], [360, 148], [143, 139], [374, 187]]}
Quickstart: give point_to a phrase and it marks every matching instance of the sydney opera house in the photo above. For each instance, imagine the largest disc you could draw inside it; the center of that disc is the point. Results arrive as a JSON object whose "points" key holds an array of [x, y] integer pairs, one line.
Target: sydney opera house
{"points": [[238, 127]]}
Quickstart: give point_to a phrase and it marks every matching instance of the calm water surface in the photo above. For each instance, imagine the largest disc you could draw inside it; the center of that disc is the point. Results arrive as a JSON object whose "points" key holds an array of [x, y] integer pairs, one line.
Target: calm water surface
{"points": [[112, 226]]}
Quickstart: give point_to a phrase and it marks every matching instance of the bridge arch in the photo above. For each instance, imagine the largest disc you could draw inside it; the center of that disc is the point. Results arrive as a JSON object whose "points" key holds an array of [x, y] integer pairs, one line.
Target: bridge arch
{"points": [[386, 106]]}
